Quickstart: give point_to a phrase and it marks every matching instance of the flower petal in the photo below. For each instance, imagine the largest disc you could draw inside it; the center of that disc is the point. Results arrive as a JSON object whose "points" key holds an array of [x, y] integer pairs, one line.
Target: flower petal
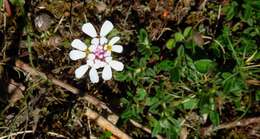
{"points": [[107, 73], [103, 40], [78, 44], [108, 59], [91, 56], [117, 48], [107, 54], [79, 72], [76, 54], [114, 40], [116, 65], [95, 41], [90, 63], [93, 75], [106, 28], [92, 48], [99, 64], [89, 29]]}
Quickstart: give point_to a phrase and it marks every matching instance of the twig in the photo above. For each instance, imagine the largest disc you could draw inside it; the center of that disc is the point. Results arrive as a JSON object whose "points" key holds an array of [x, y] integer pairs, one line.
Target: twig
{"points": [[56, 135], [33, 72], [102, 122], [244, 122], [57, 27], [136, 124], [17, 133]]}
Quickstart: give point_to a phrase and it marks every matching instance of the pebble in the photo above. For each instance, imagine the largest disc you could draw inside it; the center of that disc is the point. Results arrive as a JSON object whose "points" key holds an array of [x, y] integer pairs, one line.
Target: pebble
{"points": [[43, 22]]}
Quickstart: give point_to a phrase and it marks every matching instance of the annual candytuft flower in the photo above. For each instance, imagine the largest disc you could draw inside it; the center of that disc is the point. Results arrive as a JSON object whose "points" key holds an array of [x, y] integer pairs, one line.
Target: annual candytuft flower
{"points": [[98, 55]]}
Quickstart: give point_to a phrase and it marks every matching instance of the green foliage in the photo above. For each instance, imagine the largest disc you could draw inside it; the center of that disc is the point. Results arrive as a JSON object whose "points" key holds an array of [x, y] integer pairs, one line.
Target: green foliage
{"points": [[204, 65], [162, 90], [106, 135], [17, 2], [179, 37], [248, 11]]}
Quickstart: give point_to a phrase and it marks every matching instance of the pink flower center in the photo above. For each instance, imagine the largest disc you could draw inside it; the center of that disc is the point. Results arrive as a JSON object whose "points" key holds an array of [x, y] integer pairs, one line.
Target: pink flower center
{"points": [[100, 52]]}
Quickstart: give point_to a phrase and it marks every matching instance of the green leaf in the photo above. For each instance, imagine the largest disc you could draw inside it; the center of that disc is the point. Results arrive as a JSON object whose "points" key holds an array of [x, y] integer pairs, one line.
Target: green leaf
{"points": [[141, 94], [156, 128], [17, 2], [120, 76], [165, 65], [106, 135], [230, 10], [180, 51], [150, 72], [248, 12], [214, 118], [165, 123], [257, 95], [178, 37], [187, 32], [191, 104], [151, 101], [204, 65], [1, 3], [175, 75], [170, 43], [143, 37]]}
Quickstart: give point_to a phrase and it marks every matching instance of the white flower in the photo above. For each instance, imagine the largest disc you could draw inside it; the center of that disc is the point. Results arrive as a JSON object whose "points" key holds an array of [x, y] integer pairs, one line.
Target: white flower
{"points": [[107, 71], [98, 54], [100, 39]]}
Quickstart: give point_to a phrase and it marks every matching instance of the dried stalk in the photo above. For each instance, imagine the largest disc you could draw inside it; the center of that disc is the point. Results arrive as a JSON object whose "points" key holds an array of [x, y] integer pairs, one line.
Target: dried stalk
{"points": [[17, 133], [92, 100], [136, 124], [244, 122], [102, 122]]}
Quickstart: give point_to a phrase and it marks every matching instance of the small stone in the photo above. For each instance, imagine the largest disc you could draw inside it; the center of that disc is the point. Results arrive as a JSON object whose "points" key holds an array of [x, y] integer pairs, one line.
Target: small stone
{"points": [[43, 22]]}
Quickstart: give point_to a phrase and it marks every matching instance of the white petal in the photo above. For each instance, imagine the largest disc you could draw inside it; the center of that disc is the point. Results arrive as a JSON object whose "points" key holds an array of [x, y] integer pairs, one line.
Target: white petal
{"points": [[106, 28], [90, 63], [107, 54], [78, 44], [95, 41], [107, 73], [116, 65], [108, 59], [117, 48], [79, 72], [92, 48], [103, 40], [99, 64], [113, 40], [76, 54], [93, 75], [91, 56], [89, 29]]}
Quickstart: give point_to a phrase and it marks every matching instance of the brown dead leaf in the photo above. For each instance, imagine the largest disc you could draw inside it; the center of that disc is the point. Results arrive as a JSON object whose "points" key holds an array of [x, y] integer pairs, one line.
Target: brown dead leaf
{"points": [[197, 37], [184, 133], [16, 91], [101, 7]]}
